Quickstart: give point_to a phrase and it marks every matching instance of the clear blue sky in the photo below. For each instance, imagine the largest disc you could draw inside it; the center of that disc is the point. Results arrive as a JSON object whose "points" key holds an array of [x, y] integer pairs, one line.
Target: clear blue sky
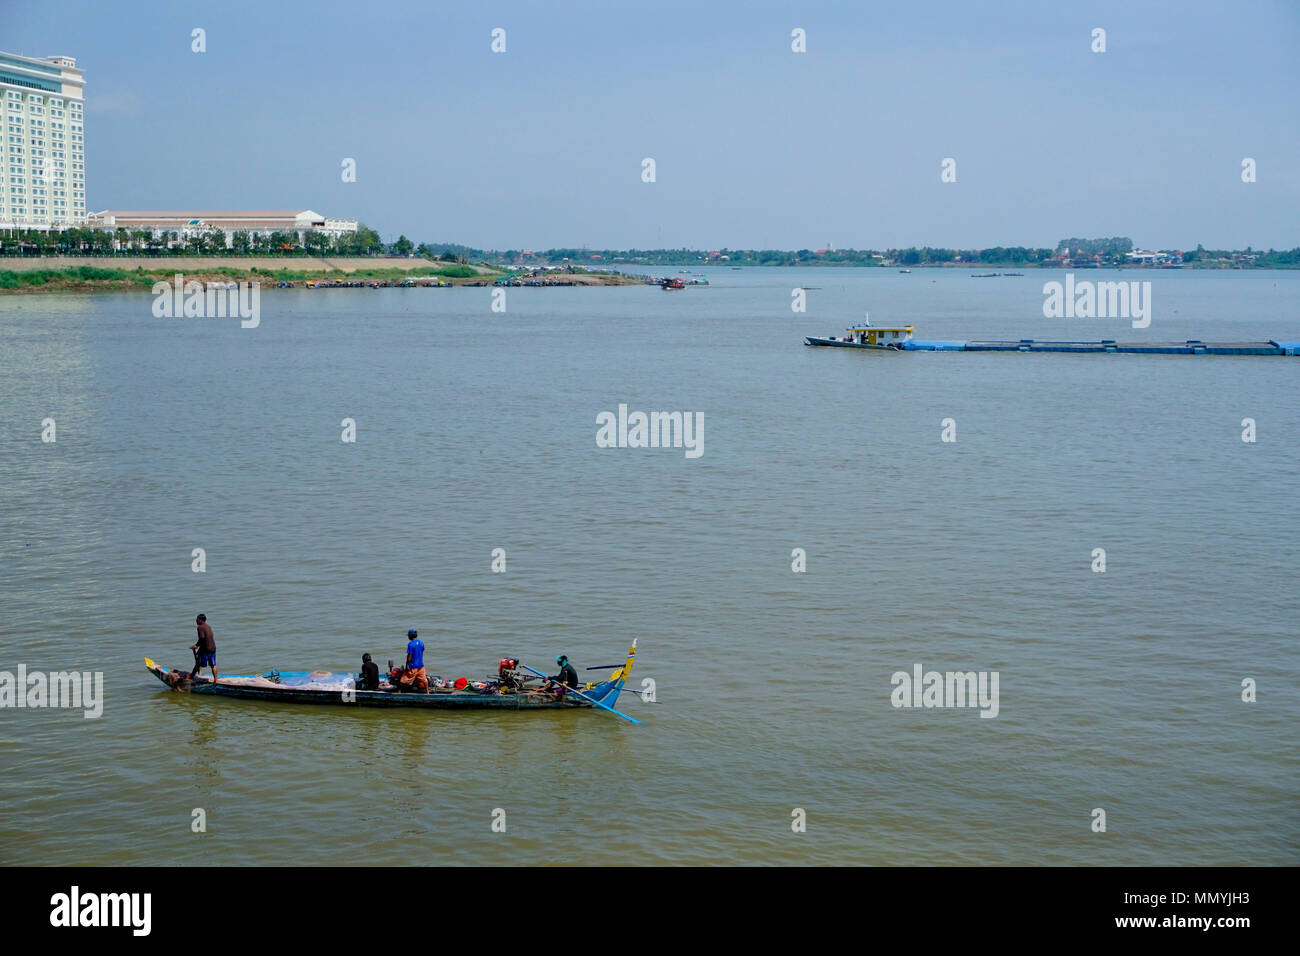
{"points": [[755, 146]]}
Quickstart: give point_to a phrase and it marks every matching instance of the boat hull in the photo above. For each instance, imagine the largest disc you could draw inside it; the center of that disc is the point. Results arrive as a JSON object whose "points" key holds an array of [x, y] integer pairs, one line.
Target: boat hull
{"points": [[841, 344], [350, 697]]}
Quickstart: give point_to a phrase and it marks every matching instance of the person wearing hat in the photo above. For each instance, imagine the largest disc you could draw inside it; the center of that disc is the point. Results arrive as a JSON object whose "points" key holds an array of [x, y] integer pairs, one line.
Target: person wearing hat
{"points": [[368, 679], [567, 677], [412, 676]]}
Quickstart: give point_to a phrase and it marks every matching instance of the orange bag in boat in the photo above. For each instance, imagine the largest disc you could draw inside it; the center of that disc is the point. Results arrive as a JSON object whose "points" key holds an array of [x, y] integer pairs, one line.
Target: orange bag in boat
{"points": [[415, 678]]}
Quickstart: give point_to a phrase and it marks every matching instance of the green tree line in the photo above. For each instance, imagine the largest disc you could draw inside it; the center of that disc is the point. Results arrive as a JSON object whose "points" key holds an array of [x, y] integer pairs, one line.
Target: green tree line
{"points": [[86, 241]]}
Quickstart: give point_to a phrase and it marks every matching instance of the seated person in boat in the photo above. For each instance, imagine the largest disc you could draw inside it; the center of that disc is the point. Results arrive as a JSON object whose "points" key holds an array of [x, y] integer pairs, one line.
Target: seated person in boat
{"points": [[412, 676], [368, 679], [567, 677], [205, 648]]}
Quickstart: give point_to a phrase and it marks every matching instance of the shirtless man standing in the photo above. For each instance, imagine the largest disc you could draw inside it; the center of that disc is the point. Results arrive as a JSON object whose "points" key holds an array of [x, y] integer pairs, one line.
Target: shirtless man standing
{"points": [[205, 649]]}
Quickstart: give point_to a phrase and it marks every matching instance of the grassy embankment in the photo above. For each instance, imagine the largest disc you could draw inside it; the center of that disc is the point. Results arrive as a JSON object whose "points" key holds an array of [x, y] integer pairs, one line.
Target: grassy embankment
{"points": [[96, 279]]}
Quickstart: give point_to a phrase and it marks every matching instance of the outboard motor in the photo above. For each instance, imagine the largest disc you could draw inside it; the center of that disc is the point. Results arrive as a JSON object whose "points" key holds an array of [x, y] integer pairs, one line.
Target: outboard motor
{"points": [[508, 673]]}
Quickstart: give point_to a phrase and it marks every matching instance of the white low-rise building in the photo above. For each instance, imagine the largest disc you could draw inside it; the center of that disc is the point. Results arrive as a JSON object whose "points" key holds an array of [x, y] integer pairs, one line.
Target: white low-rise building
{"points": [[1144, 255], [197, 222]]}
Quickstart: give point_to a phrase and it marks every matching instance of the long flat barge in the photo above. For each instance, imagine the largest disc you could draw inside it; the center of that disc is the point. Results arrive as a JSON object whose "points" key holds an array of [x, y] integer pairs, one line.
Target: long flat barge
{"points": [[1188, 347]]}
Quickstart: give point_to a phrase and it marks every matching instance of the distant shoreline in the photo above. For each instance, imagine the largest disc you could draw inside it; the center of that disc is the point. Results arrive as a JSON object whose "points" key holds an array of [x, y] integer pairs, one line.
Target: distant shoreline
{"points": [[36, 276], [970, 266]]}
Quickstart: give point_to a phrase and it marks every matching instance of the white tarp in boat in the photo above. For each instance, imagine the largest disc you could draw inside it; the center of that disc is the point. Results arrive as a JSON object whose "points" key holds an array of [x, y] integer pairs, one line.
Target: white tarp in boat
{"points": [[316, 680]]}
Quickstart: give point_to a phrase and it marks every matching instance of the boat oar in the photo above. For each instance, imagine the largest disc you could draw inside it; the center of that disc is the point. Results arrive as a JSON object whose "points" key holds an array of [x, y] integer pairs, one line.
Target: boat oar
{"points": [[636, 695], [590, 700]]}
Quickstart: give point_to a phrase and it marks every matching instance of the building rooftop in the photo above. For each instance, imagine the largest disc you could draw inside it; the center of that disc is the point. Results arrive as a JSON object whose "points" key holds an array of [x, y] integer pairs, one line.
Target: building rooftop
{"points": [[205, 213]]}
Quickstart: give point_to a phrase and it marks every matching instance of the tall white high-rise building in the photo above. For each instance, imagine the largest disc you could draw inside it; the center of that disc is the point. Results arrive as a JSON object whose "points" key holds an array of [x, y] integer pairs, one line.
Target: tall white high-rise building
{"points": [[43, 146]]}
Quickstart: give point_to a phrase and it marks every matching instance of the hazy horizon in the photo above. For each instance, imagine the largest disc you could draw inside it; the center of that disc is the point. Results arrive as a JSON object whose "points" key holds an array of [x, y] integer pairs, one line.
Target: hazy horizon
{"points": [[756, 147]]}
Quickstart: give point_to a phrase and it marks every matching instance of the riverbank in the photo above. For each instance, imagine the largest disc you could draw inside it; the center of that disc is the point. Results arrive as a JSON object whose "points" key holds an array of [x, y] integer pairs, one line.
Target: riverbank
{"points": [[100, 279], [31, 278], [174, 264]]}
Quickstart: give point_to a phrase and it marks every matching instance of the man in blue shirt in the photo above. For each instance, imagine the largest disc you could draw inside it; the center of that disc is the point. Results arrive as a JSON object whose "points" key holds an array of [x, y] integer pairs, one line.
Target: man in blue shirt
{"points": [[414, 650], [412, 676]]}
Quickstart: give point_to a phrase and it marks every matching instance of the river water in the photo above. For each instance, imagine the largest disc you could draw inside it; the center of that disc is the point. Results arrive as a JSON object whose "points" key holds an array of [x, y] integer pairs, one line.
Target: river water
{"points": [[475, 430]]}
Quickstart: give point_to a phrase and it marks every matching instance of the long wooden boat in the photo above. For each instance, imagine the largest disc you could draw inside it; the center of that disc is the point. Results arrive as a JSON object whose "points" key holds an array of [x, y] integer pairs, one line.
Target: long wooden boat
{"points": [[507, 690]]}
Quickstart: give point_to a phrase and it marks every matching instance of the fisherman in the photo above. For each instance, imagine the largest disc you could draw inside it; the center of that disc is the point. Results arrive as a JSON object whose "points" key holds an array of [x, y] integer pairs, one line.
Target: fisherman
{"points": [[412, 676], [567, 677], [368, 679], [205, 648]]}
